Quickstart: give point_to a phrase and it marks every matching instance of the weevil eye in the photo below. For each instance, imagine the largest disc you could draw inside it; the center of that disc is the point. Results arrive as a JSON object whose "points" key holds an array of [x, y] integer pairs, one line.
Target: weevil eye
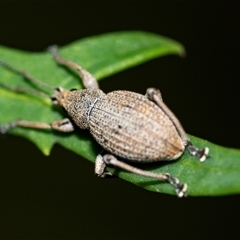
{"points": [[54, 100], [58, 89], [73, 89]]}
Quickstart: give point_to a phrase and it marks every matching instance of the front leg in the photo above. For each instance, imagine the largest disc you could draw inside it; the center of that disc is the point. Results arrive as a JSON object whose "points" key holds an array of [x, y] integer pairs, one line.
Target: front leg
{"points": [[108, 159], [89, 81], [64, 125]]}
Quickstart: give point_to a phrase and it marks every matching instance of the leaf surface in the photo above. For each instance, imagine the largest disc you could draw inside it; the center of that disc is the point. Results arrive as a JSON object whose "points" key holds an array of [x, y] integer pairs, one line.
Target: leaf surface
{"points": [[103, 56]]}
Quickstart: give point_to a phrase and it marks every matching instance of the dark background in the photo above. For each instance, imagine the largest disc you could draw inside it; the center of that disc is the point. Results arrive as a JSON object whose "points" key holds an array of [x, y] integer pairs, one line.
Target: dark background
{"points": [[58, 197]]}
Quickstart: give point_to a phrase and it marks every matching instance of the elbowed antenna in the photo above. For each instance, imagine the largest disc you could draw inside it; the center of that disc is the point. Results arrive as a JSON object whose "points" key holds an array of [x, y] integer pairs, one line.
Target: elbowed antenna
{"points": [[28, 77], [24, 90]]}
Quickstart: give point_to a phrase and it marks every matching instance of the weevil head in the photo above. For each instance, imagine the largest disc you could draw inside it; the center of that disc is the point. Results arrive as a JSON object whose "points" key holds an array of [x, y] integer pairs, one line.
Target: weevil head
{"points": [[77, 103]]}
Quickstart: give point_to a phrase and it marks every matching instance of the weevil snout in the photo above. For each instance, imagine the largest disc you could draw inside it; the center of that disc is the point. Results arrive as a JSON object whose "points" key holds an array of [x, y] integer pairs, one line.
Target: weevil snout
{"points": [[59, 96]]}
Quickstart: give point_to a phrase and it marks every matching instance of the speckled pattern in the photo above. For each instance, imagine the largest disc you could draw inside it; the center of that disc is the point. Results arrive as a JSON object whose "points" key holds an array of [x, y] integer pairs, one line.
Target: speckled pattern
{"points": [[126, 124], [79, 103]]}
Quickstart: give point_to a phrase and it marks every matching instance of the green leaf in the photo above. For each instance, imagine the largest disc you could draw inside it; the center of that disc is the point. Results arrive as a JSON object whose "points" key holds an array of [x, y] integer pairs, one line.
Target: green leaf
{"points": [[105, 55], [218, 175], [102, 55]]}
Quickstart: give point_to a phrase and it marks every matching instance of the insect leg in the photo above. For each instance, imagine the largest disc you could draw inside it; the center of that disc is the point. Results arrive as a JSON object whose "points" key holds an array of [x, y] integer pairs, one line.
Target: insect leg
{"points": [[179, 188], [100, 167], [89, 81], [155, 91], [153, 95], [63, 125]]}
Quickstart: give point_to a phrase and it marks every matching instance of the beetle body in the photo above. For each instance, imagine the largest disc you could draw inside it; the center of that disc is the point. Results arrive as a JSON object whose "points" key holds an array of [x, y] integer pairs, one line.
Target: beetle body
{"points": [[126, 124], [134, 127]]}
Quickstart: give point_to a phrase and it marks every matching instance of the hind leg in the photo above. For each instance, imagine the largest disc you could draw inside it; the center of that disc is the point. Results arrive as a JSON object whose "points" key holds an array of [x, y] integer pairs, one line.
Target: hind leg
{"points": [[155, 96], [110, 160]]}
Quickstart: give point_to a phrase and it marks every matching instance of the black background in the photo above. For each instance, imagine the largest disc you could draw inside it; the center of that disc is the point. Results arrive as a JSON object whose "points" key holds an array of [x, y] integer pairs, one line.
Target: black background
{"points": [[58, 197]]}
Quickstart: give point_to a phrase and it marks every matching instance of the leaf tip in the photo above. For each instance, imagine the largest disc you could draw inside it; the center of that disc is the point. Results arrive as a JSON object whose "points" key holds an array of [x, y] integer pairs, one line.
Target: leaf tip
{"points": [[182, 53], [46, 151]]}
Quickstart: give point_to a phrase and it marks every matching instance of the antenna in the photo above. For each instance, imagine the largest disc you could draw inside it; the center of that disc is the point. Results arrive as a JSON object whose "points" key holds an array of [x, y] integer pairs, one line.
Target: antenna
{"points": [[28, 77], [24, 90]]}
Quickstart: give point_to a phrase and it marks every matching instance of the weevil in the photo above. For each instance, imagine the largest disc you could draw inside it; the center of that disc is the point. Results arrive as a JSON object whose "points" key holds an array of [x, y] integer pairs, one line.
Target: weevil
{"points": [[129, 126]]}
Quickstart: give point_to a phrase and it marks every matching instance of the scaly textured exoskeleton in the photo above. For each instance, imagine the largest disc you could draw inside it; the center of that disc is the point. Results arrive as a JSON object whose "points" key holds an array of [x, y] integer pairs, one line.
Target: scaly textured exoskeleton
{"points": [[134, 127]]}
